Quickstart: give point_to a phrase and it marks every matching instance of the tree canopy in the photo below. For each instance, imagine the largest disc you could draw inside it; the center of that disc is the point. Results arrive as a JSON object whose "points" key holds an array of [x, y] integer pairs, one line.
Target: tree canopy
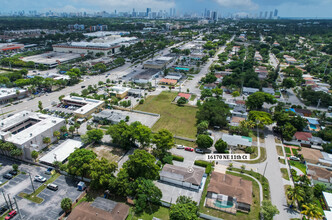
{"points": [[204, 141], [184, 209], [256, 100], [79, 162], [214, 111]]}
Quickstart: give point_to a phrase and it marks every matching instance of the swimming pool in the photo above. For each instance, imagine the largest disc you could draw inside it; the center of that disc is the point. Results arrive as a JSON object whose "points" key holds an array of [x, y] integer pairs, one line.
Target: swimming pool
{"points": [[223, 204], [313, 126]]}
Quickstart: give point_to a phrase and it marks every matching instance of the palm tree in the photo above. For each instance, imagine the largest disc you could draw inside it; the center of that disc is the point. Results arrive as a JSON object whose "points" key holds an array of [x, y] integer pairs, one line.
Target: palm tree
{"points": [[57, 135], [304, 180], [295, 194], [311, 211]]}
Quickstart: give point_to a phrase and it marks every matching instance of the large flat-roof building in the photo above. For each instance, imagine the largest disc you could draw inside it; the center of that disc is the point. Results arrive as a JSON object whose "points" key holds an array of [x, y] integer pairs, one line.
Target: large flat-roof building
{"points": [[61, 153], [28, 129], [146, 76], [51, 59], [120, 92], [12, 94], [158, 63], [11, 46], [86, 106]]}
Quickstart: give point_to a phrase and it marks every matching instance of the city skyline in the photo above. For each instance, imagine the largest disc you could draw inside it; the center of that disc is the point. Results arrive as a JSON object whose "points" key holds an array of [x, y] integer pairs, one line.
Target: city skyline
{"points": [[224, 8]]}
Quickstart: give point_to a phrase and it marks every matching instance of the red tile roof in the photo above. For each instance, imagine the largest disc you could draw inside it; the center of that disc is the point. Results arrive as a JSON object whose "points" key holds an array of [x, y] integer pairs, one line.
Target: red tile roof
{"points": [[168, 81], [184, 95], [303, 136]]}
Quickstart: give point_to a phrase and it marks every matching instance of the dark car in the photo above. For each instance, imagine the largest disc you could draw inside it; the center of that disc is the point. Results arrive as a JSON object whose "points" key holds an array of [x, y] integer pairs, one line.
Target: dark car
{"points": [[13, 172], [7, 176], [199, 151]]}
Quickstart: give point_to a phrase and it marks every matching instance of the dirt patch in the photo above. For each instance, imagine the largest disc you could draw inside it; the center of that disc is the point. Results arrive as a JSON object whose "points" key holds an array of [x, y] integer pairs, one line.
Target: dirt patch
{"points": [[108, 152]]}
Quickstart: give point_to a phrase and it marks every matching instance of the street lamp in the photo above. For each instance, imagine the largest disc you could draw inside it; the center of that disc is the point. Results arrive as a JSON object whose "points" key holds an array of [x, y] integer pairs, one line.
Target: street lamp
{"points": [[33, 187]]}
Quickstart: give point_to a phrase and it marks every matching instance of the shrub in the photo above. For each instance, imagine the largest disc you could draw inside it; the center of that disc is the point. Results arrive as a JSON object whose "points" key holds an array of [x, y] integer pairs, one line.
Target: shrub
{"points": [[15, 167], [208, 169], [177, 158], [202, 163], [168, 159]]}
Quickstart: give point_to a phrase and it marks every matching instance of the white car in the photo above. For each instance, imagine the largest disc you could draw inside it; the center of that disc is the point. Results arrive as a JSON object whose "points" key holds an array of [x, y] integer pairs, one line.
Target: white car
{"points": [[179, 146], [294, 158], [39, 178]]}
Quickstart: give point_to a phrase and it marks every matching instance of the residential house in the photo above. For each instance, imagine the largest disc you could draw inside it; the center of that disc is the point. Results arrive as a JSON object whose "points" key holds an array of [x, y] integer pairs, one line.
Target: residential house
{"points": [[258, 57], [236, 140], [239, 111], [268, 90], [289, 59], [320, 174], [306, 138], [181, 176], [210, 86], [303, 112], [313, 125], [184, 95], [236, 121], [229, 193], [248, 90], [100, 209]]}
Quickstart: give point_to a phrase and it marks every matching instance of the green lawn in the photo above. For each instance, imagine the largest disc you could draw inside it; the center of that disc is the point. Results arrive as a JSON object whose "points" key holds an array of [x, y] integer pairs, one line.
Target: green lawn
{"points": [[156, 211], [180, 120], [282, 161], [284, 173], [253, 214], [298, 165], [279, 150], [253, 155], [192, 98], [183, 142], [34, 196], [287, 150], [294, 151]]}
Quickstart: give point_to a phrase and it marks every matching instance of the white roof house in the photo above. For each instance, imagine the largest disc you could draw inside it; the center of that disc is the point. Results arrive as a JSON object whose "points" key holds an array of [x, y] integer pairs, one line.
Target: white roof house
{"points": [[328, 201], [62, 152], [235, 140]]}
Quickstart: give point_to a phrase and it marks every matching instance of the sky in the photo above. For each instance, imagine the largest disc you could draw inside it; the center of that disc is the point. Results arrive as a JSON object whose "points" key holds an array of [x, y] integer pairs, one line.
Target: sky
{"points": [[286, 8]]}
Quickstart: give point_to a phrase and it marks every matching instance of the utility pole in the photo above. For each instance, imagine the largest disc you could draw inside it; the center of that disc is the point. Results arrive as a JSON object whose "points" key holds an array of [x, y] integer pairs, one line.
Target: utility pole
{"points": [[18, 210], [10, 203], [3, 193], [318, 103], [31, 182]]}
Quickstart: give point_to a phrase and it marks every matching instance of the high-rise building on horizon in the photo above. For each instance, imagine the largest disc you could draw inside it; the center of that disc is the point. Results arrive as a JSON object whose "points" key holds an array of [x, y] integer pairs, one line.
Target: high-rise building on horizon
{"points": [[148, 10], [275, 13], [271, 13], [265, 15], [261, 14], [214, 16]]}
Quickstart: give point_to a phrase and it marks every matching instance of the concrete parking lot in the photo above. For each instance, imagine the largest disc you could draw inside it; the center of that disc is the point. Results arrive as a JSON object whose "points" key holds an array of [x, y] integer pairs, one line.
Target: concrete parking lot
{"points": [[50, 208]]}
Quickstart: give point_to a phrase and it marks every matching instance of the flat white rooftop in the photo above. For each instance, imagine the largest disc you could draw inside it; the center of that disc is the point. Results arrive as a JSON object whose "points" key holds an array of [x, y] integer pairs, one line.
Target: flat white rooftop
{"points": [[51, 58], [119, 90], [105, 33], [61, 152], [88, 104], [43, 123], [4, 92]]}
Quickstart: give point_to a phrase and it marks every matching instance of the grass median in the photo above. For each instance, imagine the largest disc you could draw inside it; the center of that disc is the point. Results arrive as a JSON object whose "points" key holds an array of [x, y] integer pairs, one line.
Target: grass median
{"points": [[34, 196]]}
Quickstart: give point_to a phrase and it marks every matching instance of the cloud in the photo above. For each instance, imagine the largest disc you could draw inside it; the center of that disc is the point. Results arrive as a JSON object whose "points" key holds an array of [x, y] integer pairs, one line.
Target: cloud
{"points": [[238, 4]]}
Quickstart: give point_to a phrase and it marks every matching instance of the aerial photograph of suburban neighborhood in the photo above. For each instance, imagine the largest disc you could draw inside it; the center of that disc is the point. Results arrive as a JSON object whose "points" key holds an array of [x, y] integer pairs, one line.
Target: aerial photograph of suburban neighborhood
{"points": [[165, 110]]}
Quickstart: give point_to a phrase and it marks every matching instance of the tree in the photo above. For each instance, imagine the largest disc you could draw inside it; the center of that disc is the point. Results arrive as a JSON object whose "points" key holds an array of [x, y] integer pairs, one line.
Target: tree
{"points": [[40, 106], [164, 141], [204, 141], [77, 126], [202, 127], [256, 100], [141, 164], [288, 83], [66, 205], [15, 167], [101, 172], [61, 97], [288, 131], [71, 129], [262, 118], [221, 146], [214, 111], [79, 162], [298, 122], [184, 209], [268, 210], [217, 91], [206, 93], [181, 101], [56, 134], [95, 135], [141, 134], [34, 154], [318, 190], [235, 94], [146, 193], [295, 194], [47, 140], [312, 211], [122, 135], [63, 129]]}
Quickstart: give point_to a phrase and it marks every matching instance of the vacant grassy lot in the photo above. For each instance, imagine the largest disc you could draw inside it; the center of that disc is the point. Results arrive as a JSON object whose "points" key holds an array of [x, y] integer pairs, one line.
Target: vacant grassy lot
{"points": [[179, 120], [279, 150], [108, 152], [284, 173], [155, 211], [184, 143]]}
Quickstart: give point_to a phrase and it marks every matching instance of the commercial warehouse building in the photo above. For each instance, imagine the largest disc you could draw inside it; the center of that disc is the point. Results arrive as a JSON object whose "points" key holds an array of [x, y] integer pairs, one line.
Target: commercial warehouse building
{"points": [[62, 152], [12, 94], [146, 76], [28, 129], [9, 47], [51, 59], [86, 106]]}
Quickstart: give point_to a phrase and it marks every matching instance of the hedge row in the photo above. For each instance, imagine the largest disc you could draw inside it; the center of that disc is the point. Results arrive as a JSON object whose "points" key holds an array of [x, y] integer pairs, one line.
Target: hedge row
{"points": [[177, 158], [202, 163]]}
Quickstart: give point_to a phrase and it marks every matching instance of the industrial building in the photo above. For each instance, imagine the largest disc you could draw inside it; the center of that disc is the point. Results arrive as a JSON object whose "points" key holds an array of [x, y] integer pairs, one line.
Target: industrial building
{"points": [[61, 152], [159, 63], [108, 117], [51, 59], [86, 106], [146, 76], [28, 129], [12, 46], [119, 92], [12, 94], [107, 45]]}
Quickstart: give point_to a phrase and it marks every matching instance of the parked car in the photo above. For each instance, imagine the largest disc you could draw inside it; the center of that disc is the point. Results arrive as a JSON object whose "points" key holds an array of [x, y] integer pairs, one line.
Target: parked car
{"points": [[13, 172], [39, 178], [49, 171], [179, 146], [294, 158], [82, 87], [199, 151], [7, 176], [11, 215], [188, 149], [52, 186]]}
